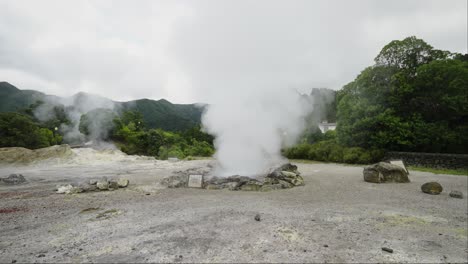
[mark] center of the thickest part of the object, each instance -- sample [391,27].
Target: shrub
[352,155]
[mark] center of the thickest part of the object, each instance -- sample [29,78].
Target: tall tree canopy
[415,98]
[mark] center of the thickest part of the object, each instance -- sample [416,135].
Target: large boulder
[385,172]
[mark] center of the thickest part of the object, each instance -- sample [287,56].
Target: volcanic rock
[113,185]
[103,184]
[251,186]
[456,194]
[64,189]
[13,179]
[385,172]
[175,181]
[257,217]
[86,187]
[122,182]
[432,188]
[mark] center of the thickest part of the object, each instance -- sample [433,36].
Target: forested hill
[156,114]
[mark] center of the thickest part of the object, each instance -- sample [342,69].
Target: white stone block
[195,181]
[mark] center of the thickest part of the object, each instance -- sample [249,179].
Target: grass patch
[439,171]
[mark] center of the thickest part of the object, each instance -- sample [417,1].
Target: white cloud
[188,51]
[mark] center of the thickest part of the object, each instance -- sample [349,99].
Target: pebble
[325,245]
[257,217]
[389,250]
[456,194]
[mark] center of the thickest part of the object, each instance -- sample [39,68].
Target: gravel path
[335,217]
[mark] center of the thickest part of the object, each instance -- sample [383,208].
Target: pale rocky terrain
[335,217]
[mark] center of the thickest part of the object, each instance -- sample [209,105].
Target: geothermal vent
[283,177]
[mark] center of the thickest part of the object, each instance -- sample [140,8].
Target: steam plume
[251,129]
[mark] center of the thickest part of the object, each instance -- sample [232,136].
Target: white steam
[250,129]
[74,107]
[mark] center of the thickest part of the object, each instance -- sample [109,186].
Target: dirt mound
[23,156]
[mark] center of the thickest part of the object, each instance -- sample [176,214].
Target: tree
[408,54]
[415,98]
[17,130]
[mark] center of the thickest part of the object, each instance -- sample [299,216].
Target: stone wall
[431,160]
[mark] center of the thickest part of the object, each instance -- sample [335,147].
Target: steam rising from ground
[251,129]
[73,108]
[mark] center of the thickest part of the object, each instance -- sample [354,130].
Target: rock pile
[283,177]
[385,172]
[94,185]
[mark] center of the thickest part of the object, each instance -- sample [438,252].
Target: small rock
[257,217]
[456,194]
[325,245]
[122,182]
[431,188]
[232,186]
[113,185]
[75,190]
[389,250]
[87,187]
[13,261]
[40,255]
[93,182]
[102,184]
[64,189]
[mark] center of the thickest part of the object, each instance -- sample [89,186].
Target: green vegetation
[165,115]
[414,98]
[18,130]
[156,114]
[328,150]
[439,171]
[132,136]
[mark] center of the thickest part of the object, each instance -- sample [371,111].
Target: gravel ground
[335,217]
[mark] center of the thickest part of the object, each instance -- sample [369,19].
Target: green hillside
[156,114]
[163,114]
[13,99]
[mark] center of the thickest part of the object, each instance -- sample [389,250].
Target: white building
[325,126]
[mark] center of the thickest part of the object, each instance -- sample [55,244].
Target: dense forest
[414,98]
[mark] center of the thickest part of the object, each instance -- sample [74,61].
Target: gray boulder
[431,188]
[385,172]
[13,179]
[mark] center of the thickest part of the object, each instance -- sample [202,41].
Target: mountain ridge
[156,113]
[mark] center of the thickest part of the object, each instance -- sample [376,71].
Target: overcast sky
[185,51]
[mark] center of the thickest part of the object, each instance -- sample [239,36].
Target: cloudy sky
[186,51]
